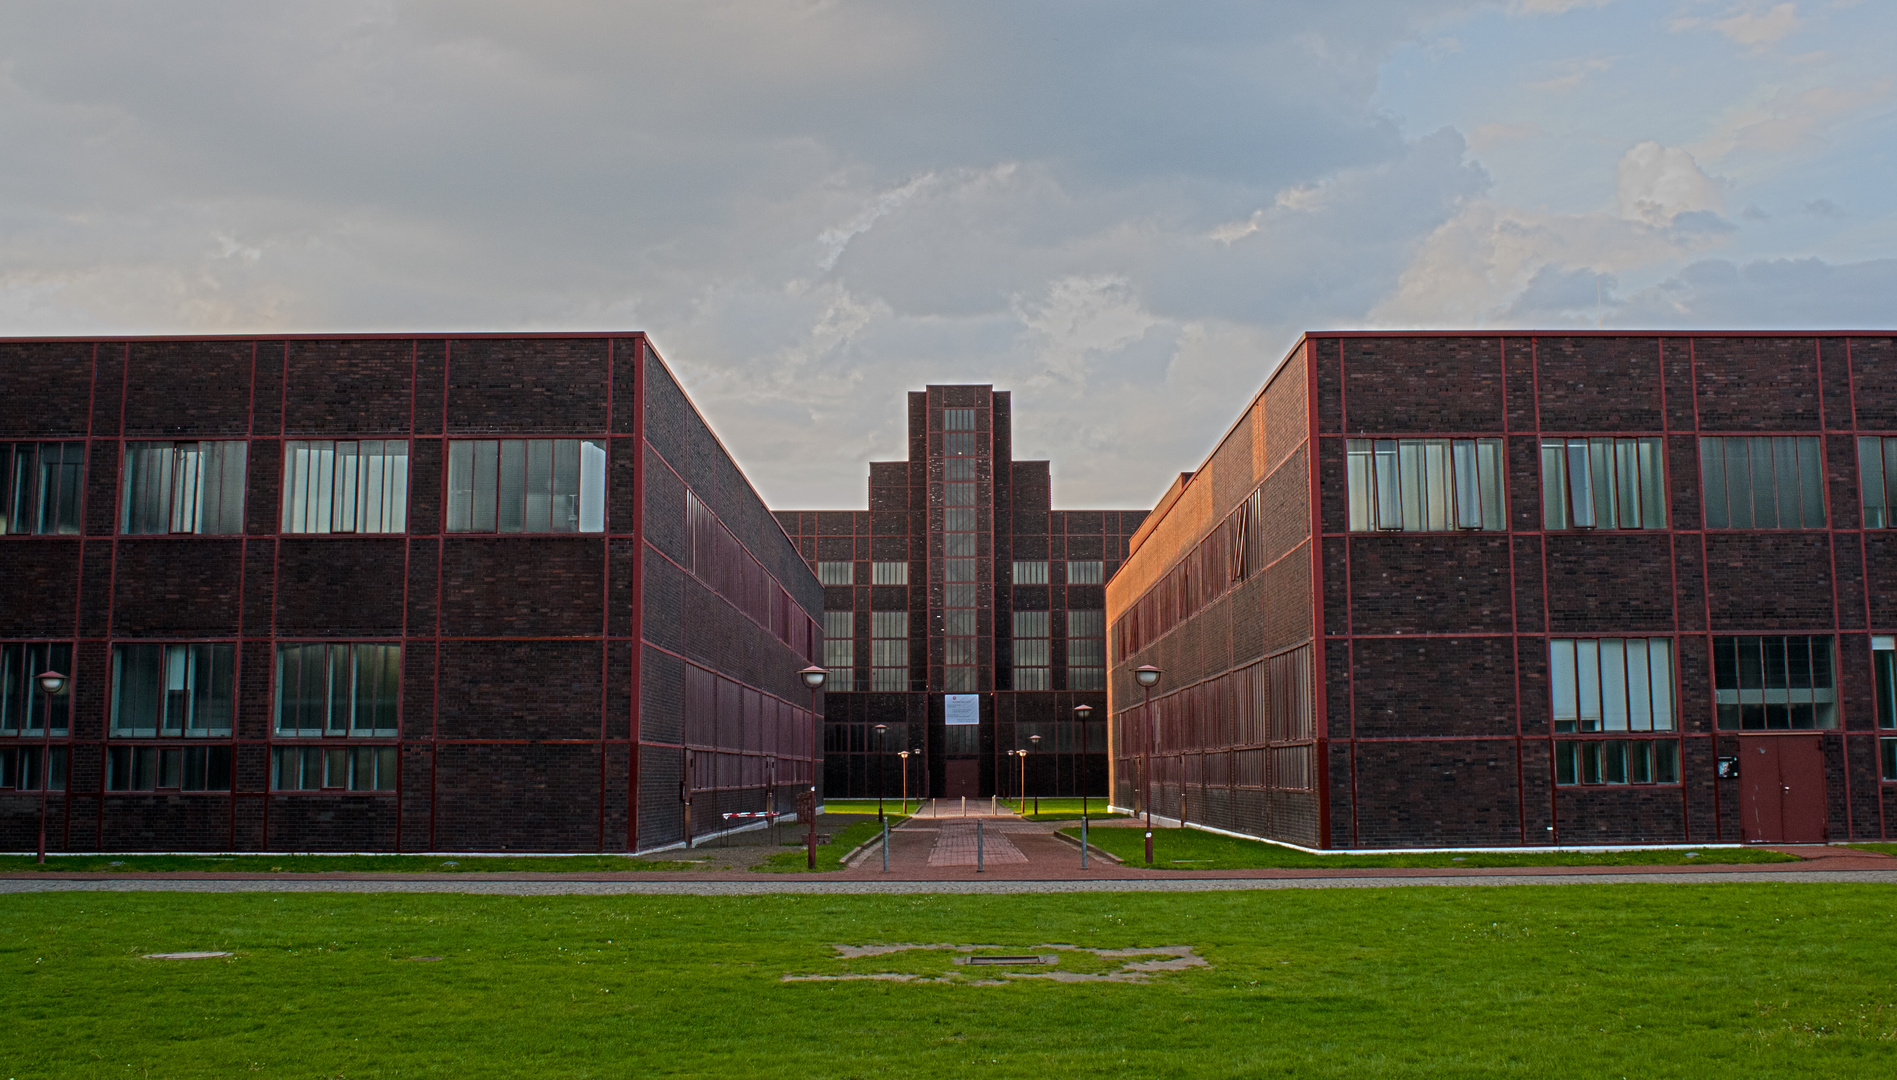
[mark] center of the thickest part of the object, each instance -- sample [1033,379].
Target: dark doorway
[961,778]
[1782,790]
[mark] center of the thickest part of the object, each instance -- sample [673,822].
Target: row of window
[204,768]
[1746,482]
[960,546]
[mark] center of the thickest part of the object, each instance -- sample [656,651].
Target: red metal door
[1801,777]
[1760,821]
[1782,789]
[962,778]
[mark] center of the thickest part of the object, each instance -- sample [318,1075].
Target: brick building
[963,614]
[385,593]
[1517,589]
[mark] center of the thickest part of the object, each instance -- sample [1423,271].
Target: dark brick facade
[1430,650]
[542,696]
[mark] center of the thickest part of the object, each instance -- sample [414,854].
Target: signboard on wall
[958,709]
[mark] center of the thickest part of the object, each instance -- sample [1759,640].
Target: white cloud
[1552,7]
[1574,73]
[1758,30]
[1783,120]
[1654,182]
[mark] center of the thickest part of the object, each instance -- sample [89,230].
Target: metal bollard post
[885,845]
[978,866]
[1083,843]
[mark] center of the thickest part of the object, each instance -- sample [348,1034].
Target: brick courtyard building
[1519,589]
[963,614]
[378,593]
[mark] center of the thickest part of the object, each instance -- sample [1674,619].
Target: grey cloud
[1773,293]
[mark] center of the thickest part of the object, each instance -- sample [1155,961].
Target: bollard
[1149,847]
[978,845]
[885,845]
[1083,843]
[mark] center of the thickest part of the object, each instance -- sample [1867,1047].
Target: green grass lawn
[355,864]
[892,806]
[1881,849]
[1692,979]
[1195,849]
[1058,809]
[830,853]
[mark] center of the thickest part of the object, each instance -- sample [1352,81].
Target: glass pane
[1600,461]
[1884,674]
[1409,469]
[1811,495]
[1590,762]
[1565,756]
[1389,513]
[1626,484]
[1357,480]
[1738,482]
[1890,471]
[563,510]
[1614,762]
[1554,486]
[1870,476]
[1587,656]
[1712,483]
[1438,512]
[1613,684]
[1488,457]
[1639,691]
[1652,485]
[460,487]
[178,673]
[347,489]
[1821,668]
[1640,762]
[1561,677]
[592,511]
[1660,676]
[1580,485]
[139,676]
[1785,482]
[1774,666]
[1766,511]
[341,693]
[1468,485]
[1666,762]
[526,478]
[144,500]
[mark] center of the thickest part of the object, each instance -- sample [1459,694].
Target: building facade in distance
[385,593]
[1449,589]
[963,615]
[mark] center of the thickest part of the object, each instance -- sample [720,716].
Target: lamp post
[1021,793]
[1082,712]
[53,684]
[879,729]
[1036,740]
[813,677]
[1148,677]
[904,756]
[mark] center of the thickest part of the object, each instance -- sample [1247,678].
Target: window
[345,487]
[1086,572]
[1884,675]
[526,485]
[336,688]
[1086,650]
[1877,480]
[839,648]
[158,768]
[836,573]
[1774,683]
[21,768]
[1611,684]
[1424,485]
[1760,482]
[336,768]
[22,702]
[958,419]
[40,484]
[889,573]
[1032,651]
[960,593]
[187,487]
[889,649]
[1617,761]
[1603,484]
[172,689]
[959,468]
[1030,573]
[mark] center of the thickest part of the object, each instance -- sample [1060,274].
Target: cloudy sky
[1123,212]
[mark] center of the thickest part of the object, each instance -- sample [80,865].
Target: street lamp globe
[1146,675]
[52,682]
[1085,711]
[814,676]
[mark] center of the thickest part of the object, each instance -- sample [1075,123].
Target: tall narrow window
[889,649]
[839,649]
[1877,480]
[526,485]
[345,487]
[1884,675]
[1424,485]
[1763,482]
[836,573]
[1033,653]
[1775,683]
[40,485]
[338,689]
[1085,572]
[193,487]
[1611,684]
[1086,650]
[23,705]
[1032,572]
[183,689]
[1603,484]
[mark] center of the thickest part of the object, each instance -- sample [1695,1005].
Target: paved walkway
[938,854]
